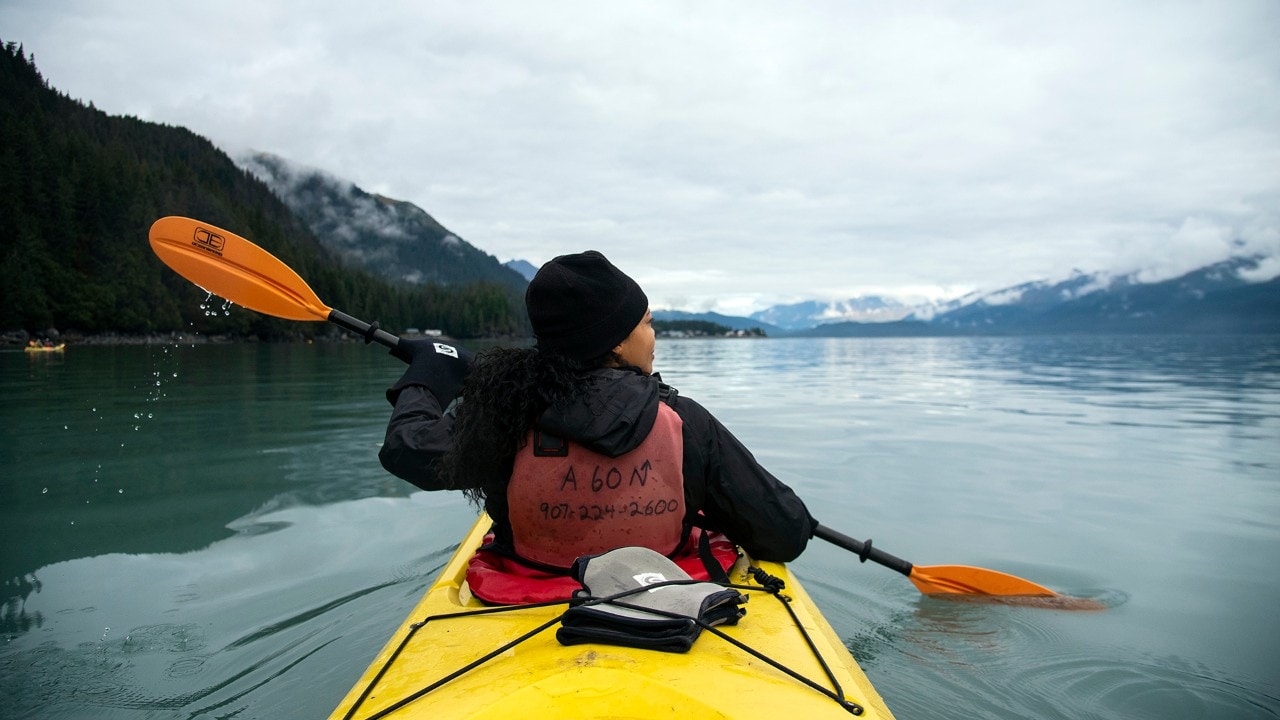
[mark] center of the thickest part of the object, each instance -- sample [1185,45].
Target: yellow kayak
[478,665]
[45,348]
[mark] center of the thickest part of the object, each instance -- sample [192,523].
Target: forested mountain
[714,318]
[79,190]
[390,238]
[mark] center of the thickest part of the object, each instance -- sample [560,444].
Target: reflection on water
[207,630]
[225,544]
[102,459]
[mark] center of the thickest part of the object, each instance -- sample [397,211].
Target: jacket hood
[613,416]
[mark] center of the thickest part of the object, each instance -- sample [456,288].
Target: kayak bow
[457,658]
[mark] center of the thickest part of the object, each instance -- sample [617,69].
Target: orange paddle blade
[966,580]
[233,268]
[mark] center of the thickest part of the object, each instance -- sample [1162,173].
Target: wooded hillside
[79,190]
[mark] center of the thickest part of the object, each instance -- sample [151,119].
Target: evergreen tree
[79,190]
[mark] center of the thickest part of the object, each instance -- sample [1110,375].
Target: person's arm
[741,498]
[417,435]
[420,429]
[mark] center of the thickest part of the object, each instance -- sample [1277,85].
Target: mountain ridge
[79,188]
[729,321]
[810,313]
[369,230]
[391,238]
[1217,298]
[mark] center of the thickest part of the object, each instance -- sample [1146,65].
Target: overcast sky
[735,155]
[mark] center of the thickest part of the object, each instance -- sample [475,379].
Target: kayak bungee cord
[413,630]
[775,586]
[767,583]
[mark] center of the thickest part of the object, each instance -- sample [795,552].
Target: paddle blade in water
[966,580]
[233,268]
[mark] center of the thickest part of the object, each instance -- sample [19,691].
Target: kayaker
[575,447]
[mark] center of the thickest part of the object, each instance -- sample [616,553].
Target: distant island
[701,329]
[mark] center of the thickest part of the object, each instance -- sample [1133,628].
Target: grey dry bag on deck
[632,573]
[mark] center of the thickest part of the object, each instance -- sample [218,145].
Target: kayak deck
[538,677]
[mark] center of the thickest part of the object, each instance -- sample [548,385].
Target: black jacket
[721,478]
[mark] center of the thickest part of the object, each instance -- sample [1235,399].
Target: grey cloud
[734,155]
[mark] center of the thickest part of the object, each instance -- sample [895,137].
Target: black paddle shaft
[863,550]
[370,333]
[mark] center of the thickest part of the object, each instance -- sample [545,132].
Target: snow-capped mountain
[811,313]
[1240,295]
[1231,296]
[1222,297]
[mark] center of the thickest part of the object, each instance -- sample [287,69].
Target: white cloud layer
[733,155]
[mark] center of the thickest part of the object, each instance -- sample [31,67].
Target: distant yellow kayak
[477,666]
[45,348]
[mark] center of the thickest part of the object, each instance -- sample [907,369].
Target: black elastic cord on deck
[768,583]
[464,669]
[774,586]
[413,630]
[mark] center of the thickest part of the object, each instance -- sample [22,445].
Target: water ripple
[1158,688]
[1019,663]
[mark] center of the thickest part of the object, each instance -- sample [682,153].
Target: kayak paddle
[938,579]
[960,581]
[233,268]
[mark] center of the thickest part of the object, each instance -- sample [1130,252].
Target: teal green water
[204,531]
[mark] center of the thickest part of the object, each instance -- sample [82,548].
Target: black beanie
[581,306]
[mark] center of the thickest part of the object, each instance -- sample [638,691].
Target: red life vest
[500,580]
[566,501]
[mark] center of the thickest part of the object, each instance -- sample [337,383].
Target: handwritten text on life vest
[607,480]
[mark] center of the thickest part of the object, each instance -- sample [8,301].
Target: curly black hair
[504,395]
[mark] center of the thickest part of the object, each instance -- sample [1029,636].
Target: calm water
[206,532]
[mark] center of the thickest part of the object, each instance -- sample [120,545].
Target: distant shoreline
[18,340]
[14,341]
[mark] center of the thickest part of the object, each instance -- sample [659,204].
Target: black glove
[438,366]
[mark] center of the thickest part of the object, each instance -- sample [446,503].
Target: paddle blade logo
[209,241]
